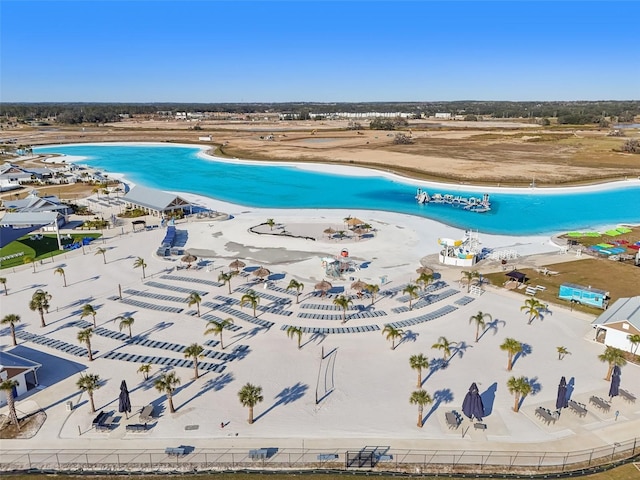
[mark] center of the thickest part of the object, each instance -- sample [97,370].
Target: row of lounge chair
[151,306]
[350,316]
[277,308]
[52,343]
[464,300]
[336,330]
[243,316]
[103,332]
[275,288]
[175,288]
[428,290]
[266,296]
[426,300]
[167,361]
[424,318]
[203,281]
[156,296]
[327,306]
[232,327]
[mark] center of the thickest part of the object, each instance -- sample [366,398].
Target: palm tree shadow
[286,396]
[459,350]
[241,336]
[215,384]
[494,326]
[536,386]
[408,336]
[434,365]
[488,398]
[90,279]
[439,396]
[240,352]
[526,350]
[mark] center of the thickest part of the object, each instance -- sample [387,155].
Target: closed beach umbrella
[237,265]
[561,400]
[261,272]
[472,404]
[358,285]
[614,389]
[124,402]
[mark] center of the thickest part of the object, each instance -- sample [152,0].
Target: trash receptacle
[69,406]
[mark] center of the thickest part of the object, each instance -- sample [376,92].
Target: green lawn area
[46,247]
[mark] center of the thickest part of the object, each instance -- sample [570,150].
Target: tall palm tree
[511,346]
[84,336]
[344,303]
[469,276]
[419,362]
[194,351]
[635,342]
[40,302]
[144,369]
[226,278]
[614,357]
[3,281]
[7,387]
[532,308]
[102,251]
[392,333]
[252,298]
[194,299]
[478,319]
[29,259]
[125,322]
[293,331]
[424,279]
[562,352]
[167,383]
[420,398]
[60,271]
[444,345]
[11,320]
[271,222]
[250,395]
[412,291]
[89,383]
[217,327]
[520,388]
[140,263]
[87,310]
[297,286]
[373,289]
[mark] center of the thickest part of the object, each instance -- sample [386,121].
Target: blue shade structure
[614,388]
[124,402]
[472,404]
[561,400]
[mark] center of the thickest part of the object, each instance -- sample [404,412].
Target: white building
[443,116]
[618,322]
[13,367]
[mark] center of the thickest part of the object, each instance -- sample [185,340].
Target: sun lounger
[453,420]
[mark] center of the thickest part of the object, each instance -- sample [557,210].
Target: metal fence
[384,459]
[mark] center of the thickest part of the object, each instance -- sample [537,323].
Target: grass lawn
[46,247]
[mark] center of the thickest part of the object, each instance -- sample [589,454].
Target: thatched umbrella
[359,232]
[427,270]
[188,258]
[358,285]
[354,221]
[237,265]
[261,272]
[329,231]
[323,286]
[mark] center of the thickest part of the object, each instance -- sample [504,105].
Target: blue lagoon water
[531,211]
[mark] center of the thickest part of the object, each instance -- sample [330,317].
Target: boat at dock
[473,204]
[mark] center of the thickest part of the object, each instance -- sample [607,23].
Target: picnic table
[146,413]
[628,396]
[600,403]
[546,415]
[579,408]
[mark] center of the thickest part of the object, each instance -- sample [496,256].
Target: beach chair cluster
[434,287]
[175,288]
[350,316]
[427,317]
[336,330]
[266,296]
[275,288]
[326,306]
[103,332]
[202,281]
[151,306]
[166,361]
[464,300]
[278,307]
[610,248]
[156,296]
[244,316]
[232,327]
[426,300]
[52,343]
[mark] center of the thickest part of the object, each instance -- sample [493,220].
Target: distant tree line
[565,112]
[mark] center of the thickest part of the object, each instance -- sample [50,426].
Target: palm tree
[84,336]
[89,310]
[373,289]
[520,388]
[252,298]
[424,279]
[140,263]
[40,302]
[392,333]
[11,320]
[293,331]
[125,322]
[271,222]
[144,369]
[420,398]
[102,251]
[511,346]
[89,383]
[250,395]
[60,271]
[614,357]
[479,321]
[444,345]
[194,351]
[412,291]
[167,383]
[562,352]
[635,341]
[469,276]
[226,278]
[419,362]
[3,281]
[29,259]
[344,303]
[532,308]
[217,327]
[7,387]
[194,299]
[297,286]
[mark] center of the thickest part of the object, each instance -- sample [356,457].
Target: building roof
[623,309]
[155,199]
[9,360]
[35,203]
[22,219]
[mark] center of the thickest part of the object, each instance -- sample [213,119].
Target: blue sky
[265,51]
